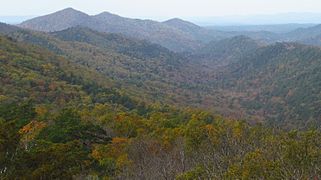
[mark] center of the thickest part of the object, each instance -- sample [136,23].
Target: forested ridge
[108,97]
[68,126]
[237,77]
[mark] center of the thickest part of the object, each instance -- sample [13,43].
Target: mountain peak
[58,21]
[175,20]
[179,21]
[181,24]
[106,13]
[69,11]
[107,16]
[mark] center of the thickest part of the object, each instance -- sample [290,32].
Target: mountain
[197,32]
[274,28]
[6,28]
[153,31]
[182,25]
[57,21]
[310,35]
[260,19]
[219,77]
[61,120]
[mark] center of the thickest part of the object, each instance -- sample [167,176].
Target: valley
[104,96]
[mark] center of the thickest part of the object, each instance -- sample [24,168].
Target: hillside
[205,79]
[119,43]
[151,75]
[70,123]
[280,82]
[228,50]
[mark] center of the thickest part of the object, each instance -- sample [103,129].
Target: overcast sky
[160,8]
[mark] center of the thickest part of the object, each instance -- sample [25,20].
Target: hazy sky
[161,8]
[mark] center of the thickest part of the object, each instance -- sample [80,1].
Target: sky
[161,9]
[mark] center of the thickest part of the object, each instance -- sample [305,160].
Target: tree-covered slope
[149,71]
[228,50]
[280,82]
[208,79]
[117,42]
[59,120]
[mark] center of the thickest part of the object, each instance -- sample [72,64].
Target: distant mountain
[6,28]
[255,19]
[58,21]
[156,32]
[310,35]
[275,28]
[183,25]
[197,32]
[153,31]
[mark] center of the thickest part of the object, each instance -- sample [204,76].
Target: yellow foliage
[237,130]
[99,152]
[41,110]
[48,67]
[122,161]
[119,140]
[3,97]
[31,130]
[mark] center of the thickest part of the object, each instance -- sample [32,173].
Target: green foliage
[51,161]
[197,173]
[60,120]
[20,112]
[68,127]
[9,143]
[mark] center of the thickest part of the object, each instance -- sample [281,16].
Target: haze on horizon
[233,11]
